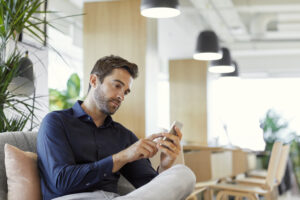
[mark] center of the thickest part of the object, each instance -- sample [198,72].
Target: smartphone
[178,124]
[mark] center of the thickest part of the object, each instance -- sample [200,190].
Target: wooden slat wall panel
[117,28]
[188,98]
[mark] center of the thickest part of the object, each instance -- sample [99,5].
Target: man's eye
[118,86]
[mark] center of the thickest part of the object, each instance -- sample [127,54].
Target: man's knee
[186,175]
[183,170]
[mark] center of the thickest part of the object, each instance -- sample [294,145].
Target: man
[82,151]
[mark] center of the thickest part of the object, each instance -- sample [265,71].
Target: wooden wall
[188,98]
[117,28]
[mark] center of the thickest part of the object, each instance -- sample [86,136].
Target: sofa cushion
[22,174]
[25,141]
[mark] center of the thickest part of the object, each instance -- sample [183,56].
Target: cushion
[23,140]
[22,174]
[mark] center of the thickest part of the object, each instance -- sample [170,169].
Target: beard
[106,105]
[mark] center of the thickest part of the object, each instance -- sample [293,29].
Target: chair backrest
[25,141]
[273,165]
[282,163]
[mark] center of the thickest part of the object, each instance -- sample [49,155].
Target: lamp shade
[223,65]
[159,8]
[235,73]
[207,46]
[23,83]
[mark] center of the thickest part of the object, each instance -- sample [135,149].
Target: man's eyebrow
[117,80]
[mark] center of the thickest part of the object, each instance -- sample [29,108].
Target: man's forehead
[120,71]
[121,75]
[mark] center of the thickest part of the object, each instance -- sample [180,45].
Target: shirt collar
[79,112]
[77,109]
[108,121]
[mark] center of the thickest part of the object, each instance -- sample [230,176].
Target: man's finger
[174,138]
[169,145]
[144,152]
[178,131]
[154,136]
[168,151]
[150,142]
[149,148]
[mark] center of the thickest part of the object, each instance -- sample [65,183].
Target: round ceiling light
[235,73]
[223,65]
[207,46]
[160,8]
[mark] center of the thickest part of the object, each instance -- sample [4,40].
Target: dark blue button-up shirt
[74,155]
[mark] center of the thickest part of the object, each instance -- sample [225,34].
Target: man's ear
[93,80]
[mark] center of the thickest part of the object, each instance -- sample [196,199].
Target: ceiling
[263,35]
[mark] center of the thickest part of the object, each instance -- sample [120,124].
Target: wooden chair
[261,173]
[279,172]
[258,173]
[252,192]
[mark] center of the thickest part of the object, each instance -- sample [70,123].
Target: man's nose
[121,96]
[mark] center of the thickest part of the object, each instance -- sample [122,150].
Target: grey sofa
[26,141]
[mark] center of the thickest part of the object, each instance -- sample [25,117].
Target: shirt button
[87,184]
[104,174]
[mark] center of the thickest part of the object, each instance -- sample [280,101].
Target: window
[240,104]
[65,58]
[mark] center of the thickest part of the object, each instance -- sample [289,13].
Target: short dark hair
[104,66]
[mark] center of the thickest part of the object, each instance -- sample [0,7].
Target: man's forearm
[143,148]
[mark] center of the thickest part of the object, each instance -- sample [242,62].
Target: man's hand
[143,148]
[170,149]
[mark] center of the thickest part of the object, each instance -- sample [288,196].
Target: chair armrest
[194,194]
[200,185]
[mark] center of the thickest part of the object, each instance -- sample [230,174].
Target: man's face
[109,95]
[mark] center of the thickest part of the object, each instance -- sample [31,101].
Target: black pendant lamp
[207,46]
[223,65]
[23,83]
[235,73]
[159,8]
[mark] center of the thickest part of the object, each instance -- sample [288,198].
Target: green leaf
[13,124]
[73,86]
[65,99]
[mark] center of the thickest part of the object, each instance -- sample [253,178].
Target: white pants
[175,183]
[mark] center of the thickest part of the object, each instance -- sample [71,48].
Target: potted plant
[274,128]
[17,17]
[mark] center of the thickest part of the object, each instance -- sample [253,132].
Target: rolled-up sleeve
[57,163]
